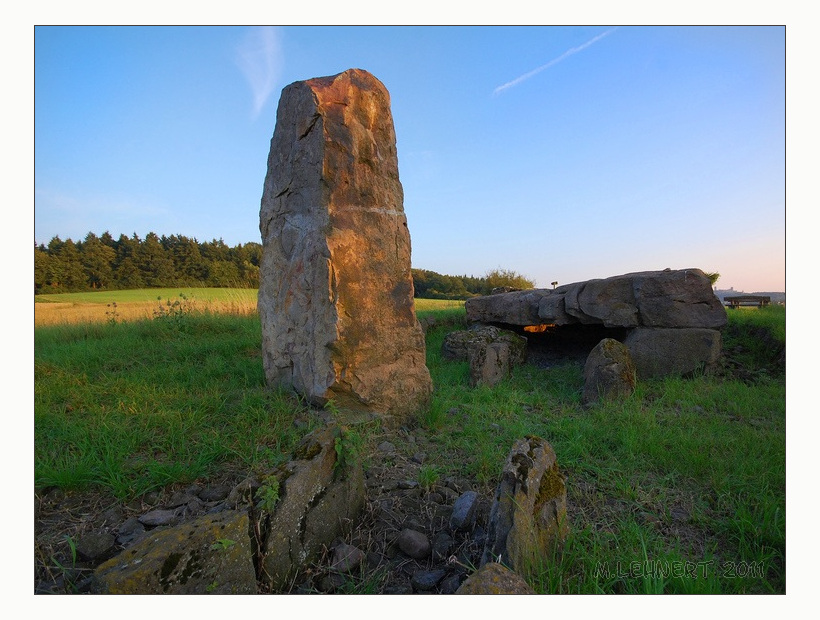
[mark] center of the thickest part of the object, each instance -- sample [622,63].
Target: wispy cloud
[260,58]
[553,62]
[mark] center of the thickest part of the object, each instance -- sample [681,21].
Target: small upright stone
[608,373]
[528,518]
[336,292]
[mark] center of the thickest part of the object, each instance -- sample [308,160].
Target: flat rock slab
[336,291]
[670,298]
[211,554]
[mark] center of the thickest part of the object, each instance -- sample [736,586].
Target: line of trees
[432,285]
[104,263]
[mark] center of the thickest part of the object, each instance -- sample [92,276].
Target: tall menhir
[336,292]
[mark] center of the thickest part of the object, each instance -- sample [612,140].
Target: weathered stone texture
[609,372]
[318,501]
[493,578]
[457,345]
[211,554]
[669,298]
[672,318]
[528,518]
[336,292]
[659,352]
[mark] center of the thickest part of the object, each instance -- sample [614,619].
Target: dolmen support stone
[336,291]
[671,318]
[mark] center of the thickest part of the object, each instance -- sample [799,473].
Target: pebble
[426,580]
[442,546]
[130,531]
[346,558]
[414,544]
[95,545]
[158,517]
[386,446]
[451,584]
[215,493]
[464,511]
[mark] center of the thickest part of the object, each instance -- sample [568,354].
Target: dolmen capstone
[336,292]
[671,318]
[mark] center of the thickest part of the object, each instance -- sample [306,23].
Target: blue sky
[563,153]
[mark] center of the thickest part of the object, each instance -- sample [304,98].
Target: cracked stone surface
[336,291]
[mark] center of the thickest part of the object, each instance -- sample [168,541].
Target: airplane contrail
[260,59]
[553,62]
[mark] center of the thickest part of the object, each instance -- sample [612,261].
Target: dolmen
[669,320]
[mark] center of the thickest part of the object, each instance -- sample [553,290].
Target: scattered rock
[95,545]
[158,517]
[214,493]
[451,583]
[414,544]
[442,546]
[493,578]
[243,493]
[426,580]
[464,510]
[346,558]
[129,532]
[387,447]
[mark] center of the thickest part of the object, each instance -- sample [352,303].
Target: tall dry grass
[68,313]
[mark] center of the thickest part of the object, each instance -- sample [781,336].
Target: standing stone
[336,292]
[528,519]
[609,372]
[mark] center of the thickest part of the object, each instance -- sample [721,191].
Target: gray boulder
[609,372]
[661,352]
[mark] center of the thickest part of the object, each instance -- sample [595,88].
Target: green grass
[132,407]
[678,489]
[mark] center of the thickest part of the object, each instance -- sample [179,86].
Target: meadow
[677,489]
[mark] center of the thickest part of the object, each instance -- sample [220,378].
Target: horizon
[561,153]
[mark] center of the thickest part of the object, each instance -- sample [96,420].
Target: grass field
[121,306]
[678,489]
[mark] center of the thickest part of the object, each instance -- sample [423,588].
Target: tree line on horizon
[105,263]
